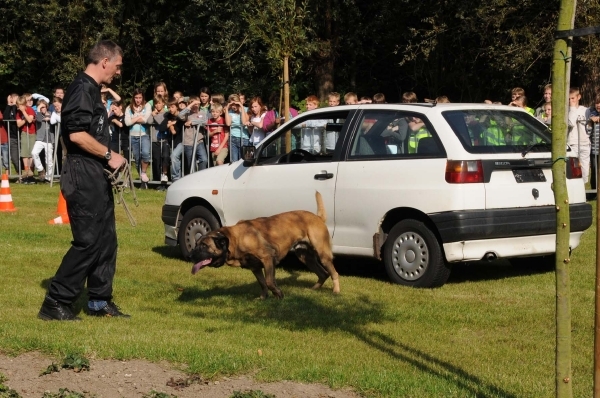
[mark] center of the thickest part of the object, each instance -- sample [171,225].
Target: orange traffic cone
[6,203]
[61,210]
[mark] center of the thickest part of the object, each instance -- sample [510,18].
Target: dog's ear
[222,242]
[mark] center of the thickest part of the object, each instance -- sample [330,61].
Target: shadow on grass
[171,252]
[496,270]
[332,313]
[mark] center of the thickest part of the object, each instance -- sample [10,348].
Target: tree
[561,72]
[280,26]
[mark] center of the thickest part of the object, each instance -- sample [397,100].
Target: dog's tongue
[198,266]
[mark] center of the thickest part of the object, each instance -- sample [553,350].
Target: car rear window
[498,131]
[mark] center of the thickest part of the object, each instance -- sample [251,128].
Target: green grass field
[489,332]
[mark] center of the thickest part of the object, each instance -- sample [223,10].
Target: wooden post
[561,71]
[286,103]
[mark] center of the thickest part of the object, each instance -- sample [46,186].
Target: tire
[413,256]
[196,222]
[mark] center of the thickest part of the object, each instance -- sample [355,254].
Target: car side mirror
[248,152]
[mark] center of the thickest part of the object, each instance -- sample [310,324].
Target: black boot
[53,310]
[111,310]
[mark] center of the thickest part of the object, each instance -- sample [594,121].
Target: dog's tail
[320,207]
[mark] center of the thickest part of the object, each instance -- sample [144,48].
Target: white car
[419,186]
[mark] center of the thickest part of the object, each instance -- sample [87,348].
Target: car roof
[420,107]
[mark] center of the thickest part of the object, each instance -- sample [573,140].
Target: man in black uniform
[88,193]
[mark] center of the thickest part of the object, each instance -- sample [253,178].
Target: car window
[311,139]
[394,134]
[498,131]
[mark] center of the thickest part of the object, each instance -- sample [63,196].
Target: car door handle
[323,176]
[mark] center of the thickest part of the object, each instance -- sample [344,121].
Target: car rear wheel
[196,222]
[413,256]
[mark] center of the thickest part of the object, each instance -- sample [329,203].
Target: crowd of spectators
[176,134]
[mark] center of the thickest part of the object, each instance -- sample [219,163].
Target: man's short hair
[103,49]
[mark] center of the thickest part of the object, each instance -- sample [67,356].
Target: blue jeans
[176,162]
[4,150]
[236,148]
[140,144]
[201,156]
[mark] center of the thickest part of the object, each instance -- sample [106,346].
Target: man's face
[574,99]
[333,101]
[548,95]
[112,68]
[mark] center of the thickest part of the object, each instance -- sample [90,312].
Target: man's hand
[116,161]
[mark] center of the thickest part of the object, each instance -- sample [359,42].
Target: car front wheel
[196,222]
[413,256]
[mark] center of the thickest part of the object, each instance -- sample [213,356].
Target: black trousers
[93,251]
[161,155]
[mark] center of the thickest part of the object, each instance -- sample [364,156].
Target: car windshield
[498,131]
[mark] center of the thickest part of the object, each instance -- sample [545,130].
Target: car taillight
[464,171]
[573,168]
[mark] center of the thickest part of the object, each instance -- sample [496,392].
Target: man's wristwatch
[107,155]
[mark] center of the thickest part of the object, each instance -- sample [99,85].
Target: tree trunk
[286,102]
[561,70]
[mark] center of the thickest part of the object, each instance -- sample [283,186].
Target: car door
[285,176]
[394,160]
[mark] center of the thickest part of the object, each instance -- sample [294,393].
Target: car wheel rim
[410,256]
[195,229]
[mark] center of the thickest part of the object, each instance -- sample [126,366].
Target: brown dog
[263,242]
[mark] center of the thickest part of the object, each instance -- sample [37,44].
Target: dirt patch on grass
[137,378]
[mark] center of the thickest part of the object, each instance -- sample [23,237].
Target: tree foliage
[468,50]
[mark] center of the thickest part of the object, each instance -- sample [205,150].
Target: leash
[122,182]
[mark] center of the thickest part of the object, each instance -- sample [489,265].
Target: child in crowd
[108,95]
[379,98]
[44,142]
[546,115]
[350,98]
[205,100]
[217,99]
[516,92]
[577,137]
[26,124]
[119,139]
[310,136]
[257,115]
[237,120]
[365,100]
[137,116]
[174,126]
[442,99]
[547,99]
[161,150]
[218,134]
[193,122]
[55,123]
[521,102]
[160,90]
